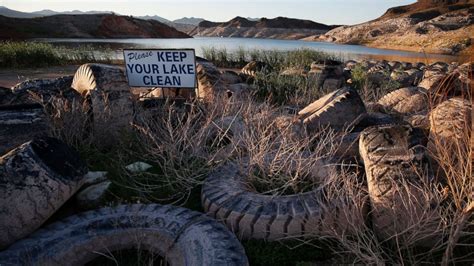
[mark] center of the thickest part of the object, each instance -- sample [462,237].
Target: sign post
[165,68]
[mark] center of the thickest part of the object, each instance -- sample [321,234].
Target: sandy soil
[11,77]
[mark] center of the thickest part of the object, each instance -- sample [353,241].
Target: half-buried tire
[338,110]
[106,94]
[36,179]
[408,100]
[397,173]
[250,215]
[180,236]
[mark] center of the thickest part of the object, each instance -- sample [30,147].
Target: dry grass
[440,214]
[184,143]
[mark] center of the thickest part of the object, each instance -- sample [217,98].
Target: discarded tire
[19,124]
[180,236]
[252,68]
[401,101]
[35,180]
[418,121]
[395,166]
[42,90]
[451,121]
[450,132]
[105,89]
[224,136]
[226,196]
[347,146]
[336,110]
[416,104]
[209,82]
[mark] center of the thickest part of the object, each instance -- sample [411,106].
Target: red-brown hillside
[85,26]
[427,9]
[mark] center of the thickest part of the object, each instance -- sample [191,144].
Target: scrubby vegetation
[301,58]
[40,54]
[184,143]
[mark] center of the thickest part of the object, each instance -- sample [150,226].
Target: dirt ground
[11,77]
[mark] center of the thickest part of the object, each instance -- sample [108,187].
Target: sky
[324,11]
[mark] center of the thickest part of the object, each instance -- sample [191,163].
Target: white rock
[94,177]
[138,167]
[92,196]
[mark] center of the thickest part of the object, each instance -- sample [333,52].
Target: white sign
[161,68]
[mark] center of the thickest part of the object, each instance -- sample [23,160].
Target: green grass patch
[288,89]
[301,58]
[38,54]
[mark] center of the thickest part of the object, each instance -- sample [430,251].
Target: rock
[138,167]
[21,123]
[36,179]
[92,178]
[413,28]
[337,110]
[92,197]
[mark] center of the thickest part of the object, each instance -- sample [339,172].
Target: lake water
[232,44]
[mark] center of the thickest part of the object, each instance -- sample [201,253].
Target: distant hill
[4,11]
[189,21]
[277,28]
[427,8]
[184,24]
[85,26]
[157,18]
[433,26]
[15,14]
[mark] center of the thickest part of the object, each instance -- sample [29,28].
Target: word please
[162,56]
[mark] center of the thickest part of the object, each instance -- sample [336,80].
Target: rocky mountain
[85,26]
[15,14]
[433,26]
[4,11]
[184,24]
[189,21]
[277,28]
[157,18]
